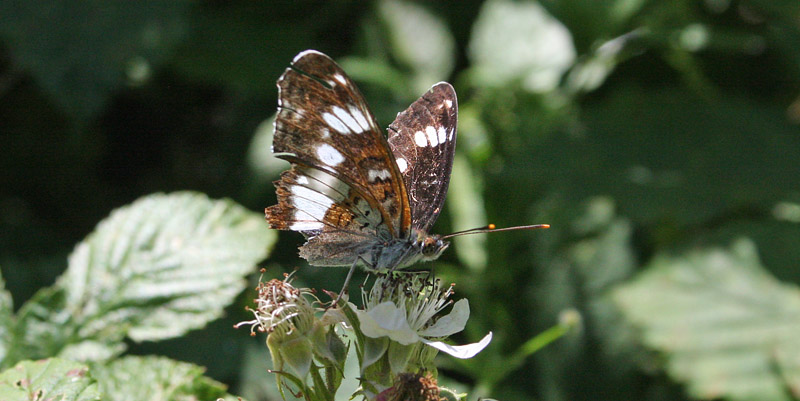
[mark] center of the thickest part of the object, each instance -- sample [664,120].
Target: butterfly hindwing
[313,201]
[344,177]
[423,141]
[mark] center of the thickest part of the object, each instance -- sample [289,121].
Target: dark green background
[679,145]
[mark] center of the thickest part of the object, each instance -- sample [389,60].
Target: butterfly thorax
[399,253]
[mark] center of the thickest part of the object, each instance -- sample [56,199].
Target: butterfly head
[431,246]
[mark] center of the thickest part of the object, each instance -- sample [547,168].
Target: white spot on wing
[374,175]
[360,118]
[420,140]
[310,208]
[442,134]
[347,118]
[325,133]
[340,78]
[306,225]
[301,179]
[329,155]
[324,182]
[449,103]
[432,135]
[335,123]
[452,133]
[402,164]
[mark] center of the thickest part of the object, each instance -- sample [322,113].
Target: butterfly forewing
[423,141]
[344,179]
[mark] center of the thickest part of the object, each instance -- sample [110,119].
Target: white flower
[405,310]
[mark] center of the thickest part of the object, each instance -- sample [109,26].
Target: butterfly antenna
[492,228]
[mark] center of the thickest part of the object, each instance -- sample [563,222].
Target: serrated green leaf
[536,48]
[155,379]
[727,328]
[49,379]
[153,270]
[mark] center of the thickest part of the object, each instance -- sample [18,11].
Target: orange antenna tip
[492,228]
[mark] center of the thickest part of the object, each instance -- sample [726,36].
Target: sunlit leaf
[726,327]
[465,204]
[153,270]
[136,378]
[519,41]
[591,71]
[6,319]
[49,379]
[420,41]
[264,165]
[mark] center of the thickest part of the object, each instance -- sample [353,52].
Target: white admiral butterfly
[354,193]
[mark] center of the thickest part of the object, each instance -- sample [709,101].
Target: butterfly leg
[349,276]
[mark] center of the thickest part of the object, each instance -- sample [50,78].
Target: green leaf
[519,41]
[156,378]
[420,41]
[153,270]
[50,379]
[254,383]
[79,52]
[727,328]
[6,319]
[466,208]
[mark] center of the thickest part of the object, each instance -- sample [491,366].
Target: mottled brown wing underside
[423,140]
[343,178]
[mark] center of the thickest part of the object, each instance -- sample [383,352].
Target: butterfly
[358,196]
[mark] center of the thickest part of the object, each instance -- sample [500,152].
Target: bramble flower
[406,307]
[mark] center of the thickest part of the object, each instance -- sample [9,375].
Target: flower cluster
[402,324]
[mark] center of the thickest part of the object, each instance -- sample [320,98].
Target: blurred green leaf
[6,319]
[591,71]
[247,45]
[668,158]
[726,327]
[592,21]
[153,270]
[420,41]
[264,165]
[536,48]
[587,252]
[466,210]
[49,379]
[136,378]
[80,52]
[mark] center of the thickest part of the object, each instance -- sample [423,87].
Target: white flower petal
[461,351]
[386,319]
[453,322]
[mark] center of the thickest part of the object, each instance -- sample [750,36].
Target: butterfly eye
[432,247]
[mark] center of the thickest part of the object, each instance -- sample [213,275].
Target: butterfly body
[376,255]
[358,196]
